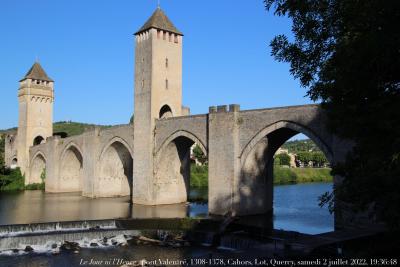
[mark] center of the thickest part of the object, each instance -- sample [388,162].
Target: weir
[41,228]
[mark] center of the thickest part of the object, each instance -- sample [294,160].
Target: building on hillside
[291,155]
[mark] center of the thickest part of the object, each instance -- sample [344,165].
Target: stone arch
[38,140]
[14,162]
[165,112]
[296,128]
[186,134]
[71,168]
[256,176]
[37,168]
[116,169]
[172,168]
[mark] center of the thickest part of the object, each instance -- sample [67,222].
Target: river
[295,208]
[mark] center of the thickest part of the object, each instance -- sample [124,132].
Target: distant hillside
[300,145]
[65,128]
[74,128]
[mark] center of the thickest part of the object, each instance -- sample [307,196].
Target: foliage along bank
[13,180]
[282,175]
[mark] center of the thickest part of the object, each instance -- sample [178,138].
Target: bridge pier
[223,157]
[52,183]
[90,166]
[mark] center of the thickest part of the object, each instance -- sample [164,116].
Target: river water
[295,208]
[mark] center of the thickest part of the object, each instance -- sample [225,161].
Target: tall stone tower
[35,97]
[158,94]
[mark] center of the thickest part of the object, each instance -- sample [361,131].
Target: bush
[35,186]
[282,159]
[12,180]
[199,155]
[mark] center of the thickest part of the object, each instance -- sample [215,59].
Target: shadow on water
[295,208]
[33,206]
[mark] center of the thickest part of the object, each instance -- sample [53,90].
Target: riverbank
[13,180]
[282,175]
[285,175]
[198,176]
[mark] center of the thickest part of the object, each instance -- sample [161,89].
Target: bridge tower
[35,124]
[158,94]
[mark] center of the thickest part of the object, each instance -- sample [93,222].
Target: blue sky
[87,48]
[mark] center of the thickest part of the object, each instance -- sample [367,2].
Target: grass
[198,176]
[282,175]
[301,175]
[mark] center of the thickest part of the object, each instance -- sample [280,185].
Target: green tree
[347,53]
[304,156]
[131,119]
[284,159]
[319,159]
[199,155]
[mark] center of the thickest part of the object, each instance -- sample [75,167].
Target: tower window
[166,83]
[164,35]
[158,34]
[166,62]
[175,38]
[142,84]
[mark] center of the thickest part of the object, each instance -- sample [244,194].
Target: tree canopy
[347,54]
[282,159]
[199,155]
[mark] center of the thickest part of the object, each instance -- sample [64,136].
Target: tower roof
[37,72]
[159,21]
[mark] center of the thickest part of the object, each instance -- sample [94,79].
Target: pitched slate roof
[159,21]
[37,72]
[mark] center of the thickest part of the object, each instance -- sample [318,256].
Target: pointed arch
[39,139]
[256,175]
[172,168]
[165,112]
[71,168]
[295,127]
[37,168]
[14,162]
[116,169]
[186,134]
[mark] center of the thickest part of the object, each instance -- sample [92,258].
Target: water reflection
[37,206]
[295,208]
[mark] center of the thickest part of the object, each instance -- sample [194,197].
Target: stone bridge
[150,160]
[239,144]
[97,163]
